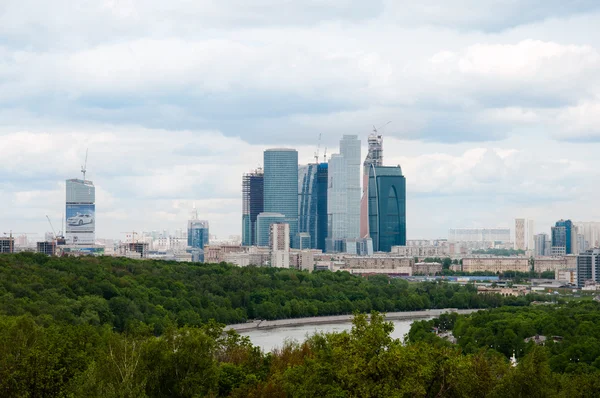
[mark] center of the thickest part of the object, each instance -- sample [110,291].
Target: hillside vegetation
[122,292]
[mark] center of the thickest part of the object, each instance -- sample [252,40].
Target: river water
[268,339]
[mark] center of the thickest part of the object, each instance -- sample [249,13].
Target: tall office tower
[350,150]
[263,226]
[588,267]
[540,245]
[530,234]
[252,204]
[80,212]
[198,236]
[374,158]
[280,245]
[281,186]
[343,195]
[520,234]
[312,205]
[387,207]
[562,237]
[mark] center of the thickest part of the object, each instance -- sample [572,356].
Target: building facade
[487,235]
[374,158]
[7,244]
[312,204]
[281,186]
[564,235]
[540,248]
[495,264]
[263,227]
[80,212]
[520,234]
[252,204]
[279,243]
[588,267]
[387,207]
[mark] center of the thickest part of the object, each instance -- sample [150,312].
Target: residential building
[281,186]
[543,264]
[568,275]
[80,212]
[390,265]
[520,234]
[279,243]
[588,267]
[530,235]
[488,236]
[387,207]
[427,268]
[496,264]
[252,204]
[312,204]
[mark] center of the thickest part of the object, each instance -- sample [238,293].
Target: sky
[494,105]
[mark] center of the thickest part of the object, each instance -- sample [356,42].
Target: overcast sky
[495,105]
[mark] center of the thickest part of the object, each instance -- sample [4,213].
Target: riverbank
[390,316]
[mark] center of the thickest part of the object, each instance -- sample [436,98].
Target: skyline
[497,108]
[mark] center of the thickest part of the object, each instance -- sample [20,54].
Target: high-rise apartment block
[281,186]
[540,248]
[520,234]
[530,234]
[252,205]
[263,226]
[80,212]
[387,207]
[480,235]
[279,242]
[312,205]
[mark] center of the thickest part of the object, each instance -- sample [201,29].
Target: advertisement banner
[81,218]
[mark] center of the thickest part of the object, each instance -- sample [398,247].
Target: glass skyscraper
[252,205]
[387,207]
[562,236]
[281,186]
[312,204]
[343,195]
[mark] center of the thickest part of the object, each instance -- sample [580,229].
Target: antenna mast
[83,168]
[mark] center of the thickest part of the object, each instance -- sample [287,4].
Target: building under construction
[134,249]
[7,244]
[252,204]
[47,248]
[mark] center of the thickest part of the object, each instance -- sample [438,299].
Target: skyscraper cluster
[321,202]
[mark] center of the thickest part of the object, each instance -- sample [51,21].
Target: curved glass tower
[281,186]
[387,207]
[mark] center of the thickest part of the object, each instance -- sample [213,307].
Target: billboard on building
[81,218]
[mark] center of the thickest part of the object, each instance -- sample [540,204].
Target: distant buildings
[198,236]
[387,207]
[480,238]
[496,264]
[80,212]
[281,186]
[7,244]
[279,243]
[252,204]
[374,159]
[541,245]
[263,226]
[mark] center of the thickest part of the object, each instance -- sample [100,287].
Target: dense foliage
[572,333]
[121,292]
[88,361]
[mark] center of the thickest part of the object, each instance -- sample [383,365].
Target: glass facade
[350,150]
[562,235]
[387,208]
[252,205]
[312,204]
[263,226]
[281,186]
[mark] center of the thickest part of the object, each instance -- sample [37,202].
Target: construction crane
[318,148]
[325,156]
[376,130]
[51,226]
[11,238]
[83,168]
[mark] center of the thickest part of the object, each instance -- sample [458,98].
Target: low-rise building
[495,264]
[427,268]
[567,275]
[214,254]
[503,291]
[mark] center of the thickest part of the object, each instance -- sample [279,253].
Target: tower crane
[376,130]
[83,168]
[318,148]
[52,227]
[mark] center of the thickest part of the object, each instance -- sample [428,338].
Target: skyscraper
[374,158]
[520,234]
[343,195]
[252,205]
[387,207]
[80,212]
[564,235]
[198,236]
[540,245]
[530,234]
[312,203]
[263,226]
[281,186]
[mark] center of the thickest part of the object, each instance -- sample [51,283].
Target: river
[268,339]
